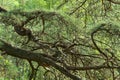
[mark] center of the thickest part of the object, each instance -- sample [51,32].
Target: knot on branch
[24,32]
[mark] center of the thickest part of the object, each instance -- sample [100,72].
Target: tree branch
[37,57]
[92,67]
[92,38]
[77,7]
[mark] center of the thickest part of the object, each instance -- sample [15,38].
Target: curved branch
[37,57]
[92,38]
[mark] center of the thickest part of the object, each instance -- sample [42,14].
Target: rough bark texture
[37,57]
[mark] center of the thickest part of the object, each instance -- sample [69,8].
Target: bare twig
[92,37]
[77,7]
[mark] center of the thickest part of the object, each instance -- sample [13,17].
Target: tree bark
[37,57]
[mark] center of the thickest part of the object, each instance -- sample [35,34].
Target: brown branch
[78,7]
[92,37]
[37,57]
[92,67]
[2,9]
[34,71]
[19,26]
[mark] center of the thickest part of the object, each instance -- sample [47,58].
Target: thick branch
[37,57]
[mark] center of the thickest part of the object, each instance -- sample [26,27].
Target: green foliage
[70,28]
[10,4]
[35,4]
